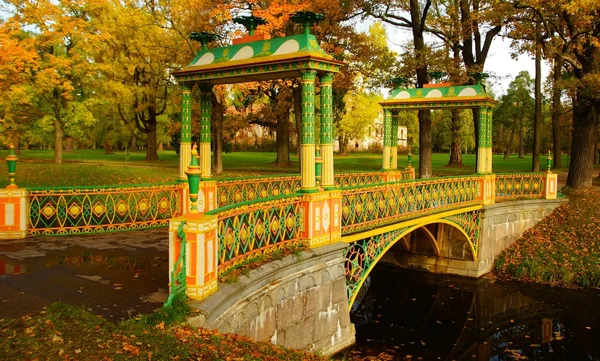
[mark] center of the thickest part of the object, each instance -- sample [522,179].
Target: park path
[116,275]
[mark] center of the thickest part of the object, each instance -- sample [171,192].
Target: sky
[499,60]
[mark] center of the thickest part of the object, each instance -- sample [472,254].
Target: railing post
[551,184]
[488,189]
[321,213]
[13,204]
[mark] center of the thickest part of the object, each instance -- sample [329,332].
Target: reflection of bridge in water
[403,313]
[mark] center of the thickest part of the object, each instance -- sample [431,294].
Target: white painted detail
[200,259]
[467,92]
[336,216]
[290,46]
[9,214]
[326,217]
[207,58]
[402,95]
[434,93]
[318,219]
[211,257]
[201,203]
[244,53]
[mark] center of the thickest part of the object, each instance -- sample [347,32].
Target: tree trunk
[455,155]
[509,144]
[521,140]
[283,140]
[425,144]
[297,94]
[151,150]
[69,144]
[132,143]
[343,145]
[585,126]
[17,144]
[217,120]
[108,149]
[556,112]
[58,140]
[537,120]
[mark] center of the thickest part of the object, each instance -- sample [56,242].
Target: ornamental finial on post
[250,22]
[409,155]
[204,38]
[307,19]
[549,162]
[11,161]
[193,173]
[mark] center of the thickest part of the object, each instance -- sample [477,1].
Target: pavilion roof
[436,96]
[269,59]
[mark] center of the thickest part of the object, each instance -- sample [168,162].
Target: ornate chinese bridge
[348,222]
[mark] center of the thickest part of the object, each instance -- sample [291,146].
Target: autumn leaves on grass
[563,249]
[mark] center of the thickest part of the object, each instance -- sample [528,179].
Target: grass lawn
[563,249]
[63,332]
[92,167]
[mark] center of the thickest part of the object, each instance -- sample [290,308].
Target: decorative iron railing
[66,210]
[520,185]
[250,229]
[369,207]
[178,275]
[238,190]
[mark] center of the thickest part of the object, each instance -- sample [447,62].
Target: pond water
[404,315]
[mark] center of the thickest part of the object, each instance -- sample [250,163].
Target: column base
[322,218]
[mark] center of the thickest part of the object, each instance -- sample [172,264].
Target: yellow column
[387,130]
[185,144]
[205,138]
[307,138]
[327,175]
[394,139]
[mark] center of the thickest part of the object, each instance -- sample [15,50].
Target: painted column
[490,112]
[327,176]
[205,114]
[307,138]
[394,139]
[482,141]
[185,141]
[387,130]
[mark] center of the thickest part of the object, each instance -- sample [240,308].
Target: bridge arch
[362,255]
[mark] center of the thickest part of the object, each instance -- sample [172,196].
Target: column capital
[326,78]
[206,88]
[308,75]
[186,86]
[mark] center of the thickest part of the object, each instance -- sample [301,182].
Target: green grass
[562,249]
[64,332]
[92,167]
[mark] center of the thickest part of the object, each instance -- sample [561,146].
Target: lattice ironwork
[255,228]
[358,179]
[520,186]
[373,206]
[178,275]
[362,256]
[232,191]
[470,222]
[63,210]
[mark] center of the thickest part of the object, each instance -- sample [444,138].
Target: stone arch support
[298,302]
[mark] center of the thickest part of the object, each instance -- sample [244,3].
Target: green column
[327,172]
[387,138]
[205,115]
[394,139]
[307,138]
[482,141]
[185,141]
[490,112]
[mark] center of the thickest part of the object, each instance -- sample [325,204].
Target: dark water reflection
[406,315]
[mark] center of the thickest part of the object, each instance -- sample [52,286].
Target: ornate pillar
[490,112]
[205,115]
[185,140]
[327,177]
[394,139]
[482,153]
[387,139]
[307,138]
